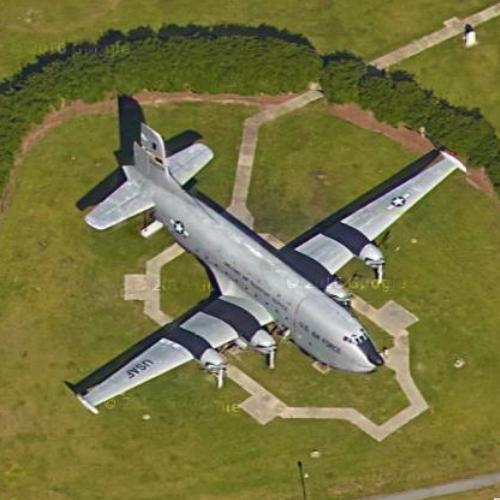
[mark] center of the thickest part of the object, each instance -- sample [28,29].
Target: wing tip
[95,223]
[209,151]
[451,157]
[85,402]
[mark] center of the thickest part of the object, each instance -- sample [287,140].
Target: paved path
[444,489]
[264,406]
[146,287]
[452,28]
[395,320]
[392,318]
[238,206]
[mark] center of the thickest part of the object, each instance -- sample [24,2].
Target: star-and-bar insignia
[179,228]
[398,201]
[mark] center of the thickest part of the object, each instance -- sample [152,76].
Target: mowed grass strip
[184,283]
[368,28]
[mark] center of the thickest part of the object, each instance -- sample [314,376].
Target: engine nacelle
[264,343]
[373,257]
[215,364]
[338,292]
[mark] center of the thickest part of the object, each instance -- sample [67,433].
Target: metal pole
[302,480]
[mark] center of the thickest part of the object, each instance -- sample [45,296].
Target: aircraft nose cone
[376,358]
[371,353]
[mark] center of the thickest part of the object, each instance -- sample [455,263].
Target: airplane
[255,284]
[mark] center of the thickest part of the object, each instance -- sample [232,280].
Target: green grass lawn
[467,77]
[61,315]
[369,28]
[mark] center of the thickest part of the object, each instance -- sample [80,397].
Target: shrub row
[230,59]
[223,59]
[395,97]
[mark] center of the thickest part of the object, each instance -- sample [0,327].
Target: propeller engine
[373,257]
[338,292]
[214,363]
[264,343]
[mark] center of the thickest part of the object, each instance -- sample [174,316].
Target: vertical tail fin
[152,143]
[183,165]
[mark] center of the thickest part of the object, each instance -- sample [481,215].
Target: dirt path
[57,117]
[409,139]
[363,118]
[352,113]
[478,178]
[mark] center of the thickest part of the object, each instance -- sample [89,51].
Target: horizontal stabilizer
[185,164]
[128,200]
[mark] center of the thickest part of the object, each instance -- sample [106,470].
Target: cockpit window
[356,338]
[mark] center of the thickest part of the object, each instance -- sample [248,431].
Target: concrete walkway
[146,287]
[460,486]
[248,147]
[395,320]
[264,406]
[452,28]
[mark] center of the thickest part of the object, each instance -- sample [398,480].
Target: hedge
[230,59]
[395,97]
[221,59]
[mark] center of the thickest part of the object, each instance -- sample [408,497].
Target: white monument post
[469,36]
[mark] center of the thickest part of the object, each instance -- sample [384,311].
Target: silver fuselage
[317,323]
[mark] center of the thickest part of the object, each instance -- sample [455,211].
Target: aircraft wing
[217,323]
[185,164]
[327,247]
[373,219]
[134,367]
